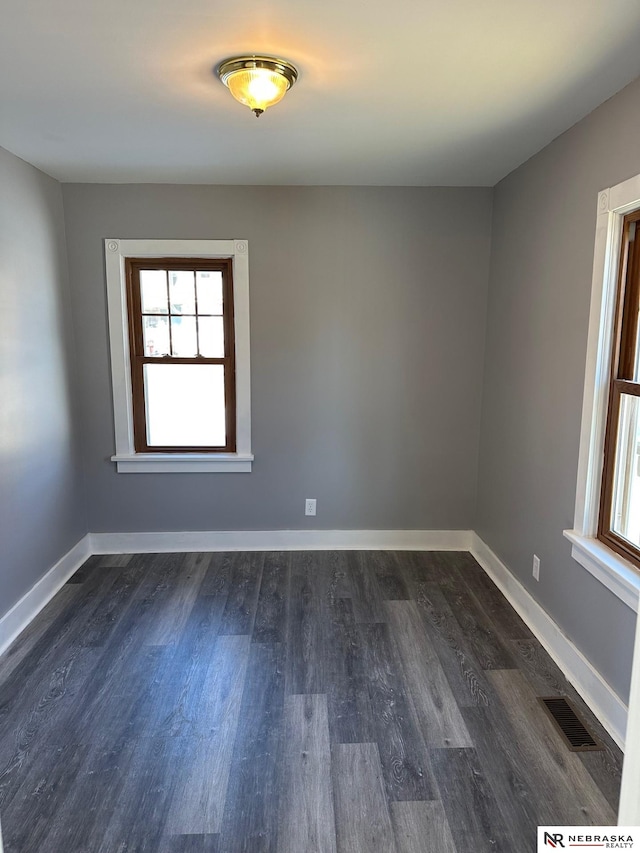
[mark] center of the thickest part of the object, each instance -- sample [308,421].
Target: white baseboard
[281,540]
[27,608]
[599,696]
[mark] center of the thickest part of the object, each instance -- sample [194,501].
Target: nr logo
[554,840]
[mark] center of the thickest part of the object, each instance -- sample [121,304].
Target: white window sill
[617,574]
[183,463]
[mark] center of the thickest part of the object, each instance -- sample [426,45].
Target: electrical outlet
[310,506]
[536,567]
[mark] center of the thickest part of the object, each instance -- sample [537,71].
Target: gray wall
[540,285]
[41,510]
[367,341]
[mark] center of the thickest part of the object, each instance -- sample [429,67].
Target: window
[179,335]
[606,535]
[182,355]
[619,522]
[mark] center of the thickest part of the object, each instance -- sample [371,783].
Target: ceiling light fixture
[257,81]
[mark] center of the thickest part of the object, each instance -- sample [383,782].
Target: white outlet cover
[536,567]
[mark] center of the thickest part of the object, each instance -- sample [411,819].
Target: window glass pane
[183,336]
[209,286]
[629,345]
[153,291]
[182,292]
[156,335]
[211,331]
[185,405]
[625,511]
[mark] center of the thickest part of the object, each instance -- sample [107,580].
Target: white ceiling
[391,92]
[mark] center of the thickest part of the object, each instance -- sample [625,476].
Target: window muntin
[619,519]
[181,335]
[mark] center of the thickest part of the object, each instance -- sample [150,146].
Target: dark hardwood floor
[316,702]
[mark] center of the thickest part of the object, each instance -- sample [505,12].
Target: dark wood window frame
[139,359]
[623,382]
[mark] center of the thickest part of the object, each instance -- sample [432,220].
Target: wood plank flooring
[316,702]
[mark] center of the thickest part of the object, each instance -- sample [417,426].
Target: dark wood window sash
[622,378]
[139,359]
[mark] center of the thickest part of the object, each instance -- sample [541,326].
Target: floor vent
[577,736]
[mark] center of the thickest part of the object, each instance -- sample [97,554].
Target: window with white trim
[179,337]
[604,538]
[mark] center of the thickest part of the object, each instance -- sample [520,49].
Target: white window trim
[126,458]
[617,574]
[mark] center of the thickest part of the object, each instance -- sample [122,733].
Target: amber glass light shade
[258,82]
